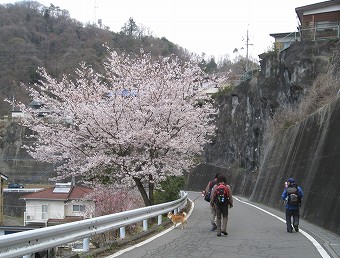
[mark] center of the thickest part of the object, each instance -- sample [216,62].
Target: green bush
[170,189]
[226,89]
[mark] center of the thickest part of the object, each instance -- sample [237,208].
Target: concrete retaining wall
[309,152]
[13,206]
[241,181]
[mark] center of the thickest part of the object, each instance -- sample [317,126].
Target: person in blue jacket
[292,195]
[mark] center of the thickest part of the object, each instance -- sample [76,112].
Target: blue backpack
[207,196]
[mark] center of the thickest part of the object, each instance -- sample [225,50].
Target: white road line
[151,238]
[320,249]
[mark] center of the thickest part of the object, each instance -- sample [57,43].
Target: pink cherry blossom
[143,120]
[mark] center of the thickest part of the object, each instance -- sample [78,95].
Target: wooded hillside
[33,35]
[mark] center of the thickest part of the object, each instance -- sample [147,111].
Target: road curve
[254,231]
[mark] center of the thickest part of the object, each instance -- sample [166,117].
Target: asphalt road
[254,231]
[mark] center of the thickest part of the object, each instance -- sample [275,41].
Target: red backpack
[221,195]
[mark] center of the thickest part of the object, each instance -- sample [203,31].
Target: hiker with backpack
[292,195]
[221,199]
[207,195]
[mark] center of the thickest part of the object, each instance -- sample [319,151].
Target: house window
[327,29]
[78,208]
[44,211]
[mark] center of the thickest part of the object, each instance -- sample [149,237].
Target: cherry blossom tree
[141,121]
[109,200]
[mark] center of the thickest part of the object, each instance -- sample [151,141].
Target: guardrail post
[86,244]
[159,219]
[122,232]
[52,251]
[145,225]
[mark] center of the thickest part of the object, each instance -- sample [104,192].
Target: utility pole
[95,12]
[247,53]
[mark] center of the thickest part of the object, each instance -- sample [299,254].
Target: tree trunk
[151,188]
[142,191]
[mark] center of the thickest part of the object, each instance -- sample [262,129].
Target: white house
[59,204]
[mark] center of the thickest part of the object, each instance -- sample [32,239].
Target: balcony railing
[324,32]
[35,217]
[320,32]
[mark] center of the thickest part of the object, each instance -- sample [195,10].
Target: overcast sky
[213,27]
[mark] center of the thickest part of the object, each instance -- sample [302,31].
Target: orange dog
[177,218]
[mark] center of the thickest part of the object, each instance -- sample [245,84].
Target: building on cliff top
[284,40]
[318,21]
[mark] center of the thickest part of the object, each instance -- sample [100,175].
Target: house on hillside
[36,105]
[3,178]
[317,21]
[284,40]
[320,20]
[62,203]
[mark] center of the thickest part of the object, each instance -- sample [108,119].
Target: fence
[325,32]
[320,32]
[32,241]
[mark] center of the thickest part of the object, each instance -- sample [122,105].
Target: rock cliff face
[243,112]
[309,151]
[15,162]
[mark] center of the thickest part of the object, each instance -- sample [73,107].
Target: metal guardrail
[32,241]
[249,74]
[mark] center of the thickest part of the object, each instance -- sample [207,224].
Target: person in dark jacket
[208,189]
[292,195]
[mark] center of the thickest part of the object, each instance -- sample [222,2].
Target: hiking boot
[214,227]
[296,228]
[224,233]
